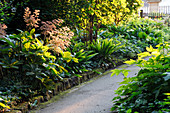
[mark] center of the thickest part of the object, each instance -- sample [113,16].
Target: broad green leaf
[115,71]
[129,111]
[125,72]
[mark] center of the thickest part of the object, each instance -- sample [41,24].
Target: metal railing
[157,12]
[160,11]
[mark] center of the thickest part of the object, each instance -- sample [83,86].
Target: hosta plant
[26,66]
[80,62]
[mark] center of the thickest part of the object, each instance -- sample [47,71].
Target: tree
[106,12]
[86,14]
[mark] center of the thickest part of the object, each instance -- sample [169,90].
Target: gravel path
[93,97]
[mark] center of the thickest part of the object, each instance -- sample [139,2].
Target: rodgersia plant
[55,35]
[2,30]
[59,38]
[31,20]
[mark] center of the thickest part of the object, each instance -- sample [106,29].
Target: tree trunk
[91,27]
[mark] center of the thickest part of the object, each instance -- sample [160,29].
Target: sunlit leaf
[115,71]
[75,60]
[130,62]
[125,72]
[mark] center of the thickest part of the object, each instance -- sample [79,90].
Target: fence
[157,11]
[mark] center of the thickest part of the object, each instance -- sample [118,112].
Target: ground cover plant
[146,92]
[135,35]
[46,51]
[141,32]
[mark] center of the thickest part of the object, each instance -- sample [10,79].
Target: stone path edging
[93,97]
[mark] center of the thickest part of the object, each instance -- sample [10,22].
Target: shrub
[145,92]
[141,32]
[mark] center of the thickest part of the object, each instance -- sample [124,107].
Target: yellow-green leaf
[75,60]
[156,53]
[167,94]
[144,54]
[115,71]
[63,68]
[32,31]
[125,72]
[55,71]
[130,62]
[4,106]
[150,49]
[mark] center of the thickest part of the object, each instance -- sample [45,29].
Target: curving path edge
[92,97]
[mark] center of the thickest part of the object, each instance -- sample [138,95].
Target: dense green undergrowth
[30,62]
[148,92]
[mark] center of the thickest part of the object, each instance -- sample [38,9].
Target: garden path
[92,97]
